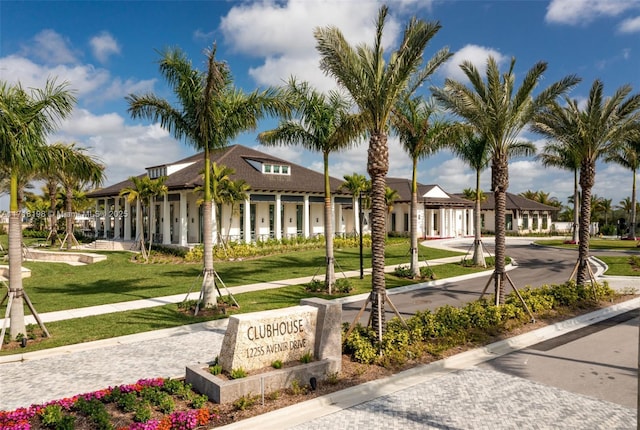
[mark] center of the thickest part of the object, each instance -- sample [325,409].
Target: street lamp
[360,216]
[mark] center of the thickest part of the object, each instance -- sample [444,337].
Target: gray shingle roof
[403,187]
[238,157]
[516,202]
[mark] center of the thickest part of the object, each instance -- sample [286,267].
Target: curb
[334,402]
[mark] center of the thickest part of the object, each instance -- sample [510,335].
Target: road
[535,266]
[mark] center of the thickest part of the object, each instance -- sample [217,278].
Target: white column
[116,218]
[166,221]
[305,218]
[278,214]
[139,227]
[184,219]
[247,219]
[356,214]
[338,218]
[442,223]
[107,218]
[127,219]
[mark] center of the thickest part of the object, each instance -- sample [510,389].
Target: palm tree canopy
[26,118]
[421,133]
[491,106]
[70,164]
[211,110]
[374,83]
[323,123]
[595,131]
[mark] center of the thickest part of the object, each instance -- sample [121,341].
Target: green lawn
[57,286]
[621,266]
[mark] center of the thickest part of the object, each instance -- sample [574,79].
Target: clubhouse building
[284,200]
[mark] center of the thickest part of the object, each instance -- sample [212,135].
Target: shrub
[238,373]
[277,364]
[343,285]
[307,357]
[142,412]
[360,344]
[244,402]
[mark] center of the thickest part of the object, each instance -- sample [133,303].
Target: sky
[107,50]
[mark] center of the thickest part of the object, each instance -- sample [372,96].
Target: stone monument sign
[256,340]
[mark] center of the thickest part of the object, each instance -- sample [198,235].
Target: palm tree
[322,124]
[220,176]
[376,86]
[591,133]
[499,112]
[356,184]
[473,150]
[26,118]
[211,111]
[604,206]
[390,197]
[144,189]
[420,137]
[231,193]
[73,166]
[628,156]
[558,154]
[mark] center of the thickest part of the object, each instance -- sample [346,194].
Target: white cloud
[125,150]
[477,55]
[103,46]
[83,79]
[631,25]
[51,48]
[282,34]
[575,12]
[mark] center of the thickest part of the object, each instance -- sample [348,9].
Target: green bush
[343,285]
[238,373]
[436,332]
[142,412]
[96,411]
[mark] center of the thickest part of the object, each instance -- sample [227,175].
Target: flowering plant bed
[149,404]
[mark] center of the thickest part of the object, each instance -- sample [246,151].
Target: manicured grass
[58,286]
[594,243]
[621,266]
[88,329]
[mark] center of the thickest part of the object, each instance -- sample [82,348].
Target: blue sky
[108,49]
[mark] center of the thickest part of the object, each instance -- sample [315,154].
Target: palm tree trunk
[69,218]
[632,227]
[330,277]
[15,262]
[500,182]
[53,220]
[587,179]
[478,255]
[576,203]
[377,166]
[415,270]
[209,295]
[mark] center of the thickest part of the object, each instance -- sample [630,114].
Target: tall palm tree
[628,156]
[558,154]
[604,206]
[499,112]
[144,189]
[421,135]
[322,123]
[210,112]
[591,133]
[356,184]
[376,86]
[472,149]
[26,118]
[73,167]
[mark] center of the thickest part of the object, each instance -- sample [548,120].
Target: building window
[508,222]
[545,222]
[525,221]
[535,221]
[276,169]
